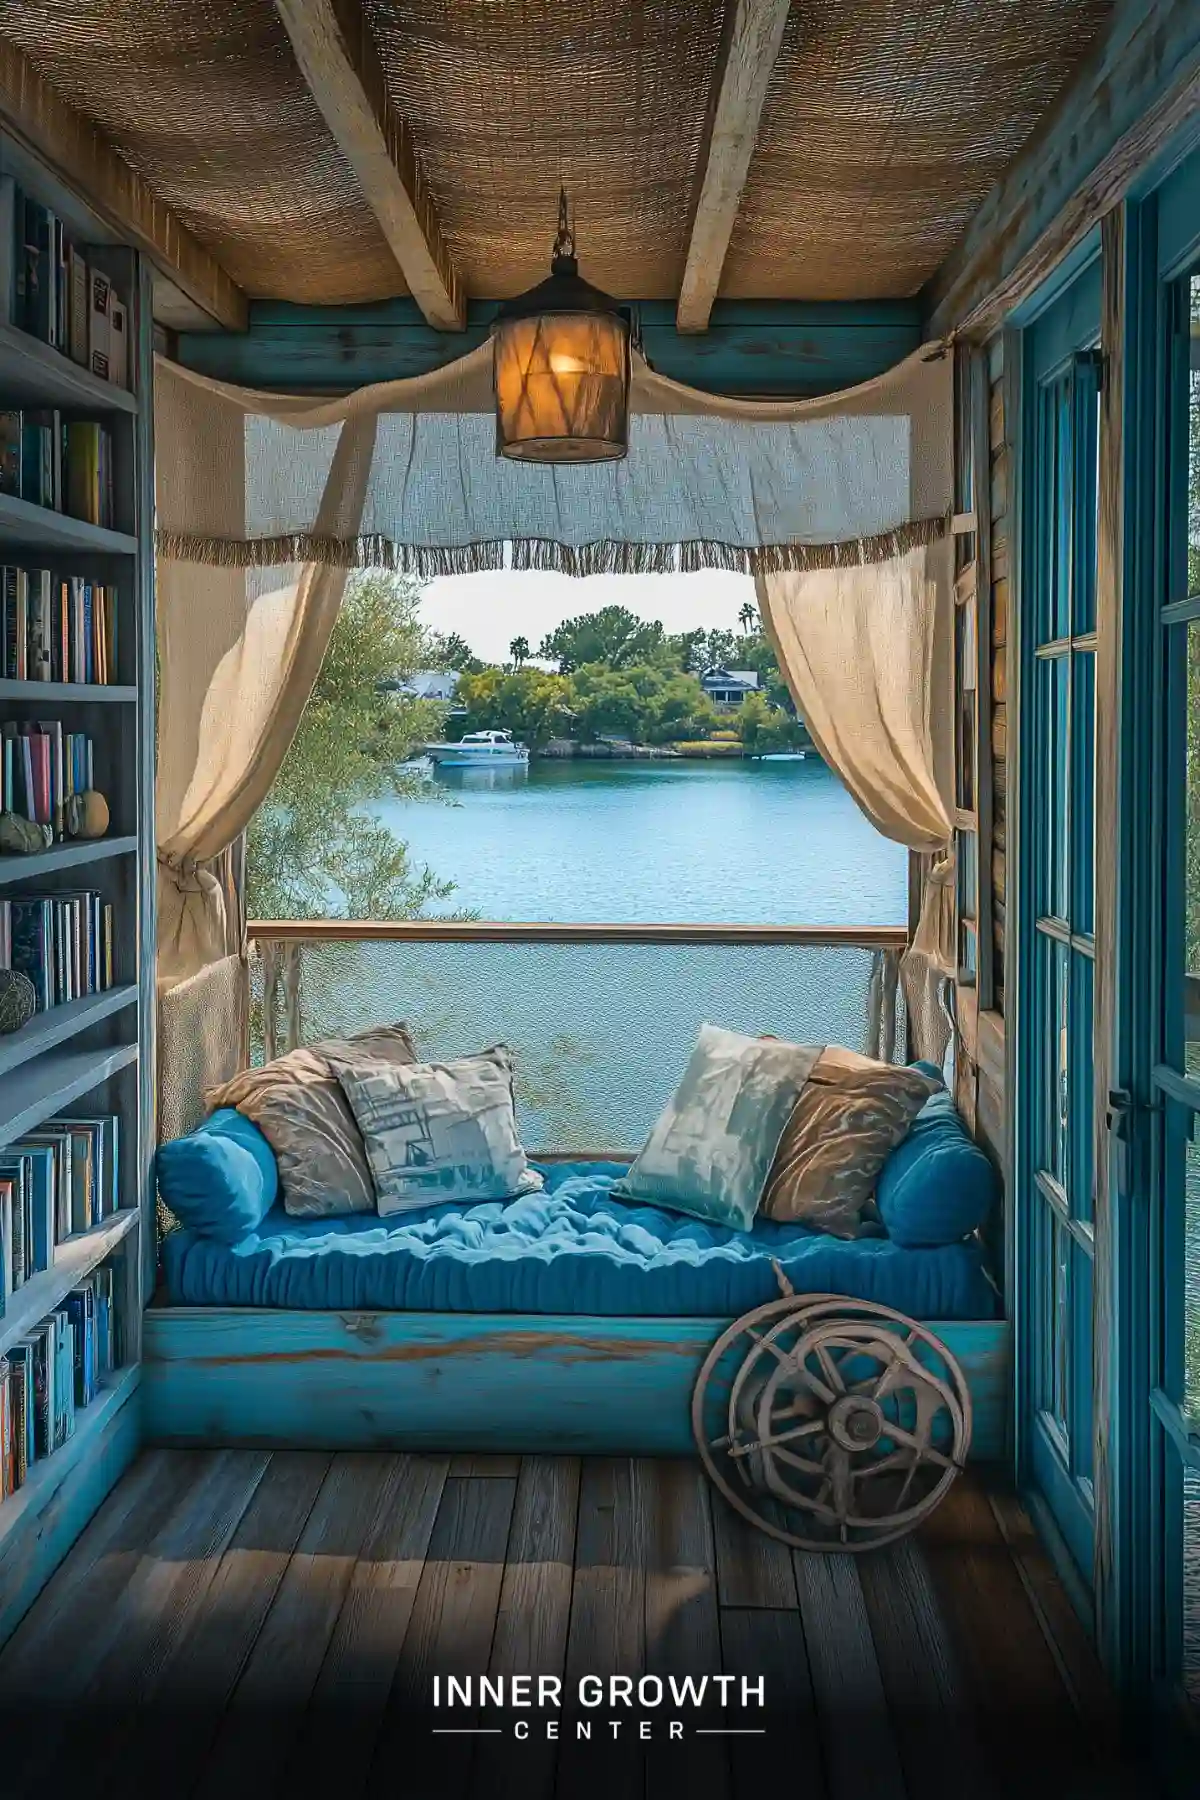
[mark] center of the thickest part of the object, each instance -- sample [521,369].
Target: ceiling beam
[341,66]
[750,41]
[84,160]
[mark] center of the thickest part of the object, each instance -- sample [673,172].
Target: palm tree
[748,616]
[519,651]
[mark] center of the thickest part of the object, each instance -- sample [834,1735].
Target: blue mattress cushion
[573,1248]
[937,1186]
[221,1179]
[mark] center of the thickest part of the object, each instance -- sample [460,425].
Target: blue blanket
[571,1249]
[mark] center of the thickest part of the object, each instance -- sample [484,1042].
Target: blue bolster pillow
[221,1180]
[938,1186]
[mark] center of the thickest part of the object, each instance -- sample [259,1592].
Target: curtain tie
[186,872]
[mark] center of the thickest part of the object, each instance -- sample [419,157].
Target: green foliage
[765,729]
[519,651]
[311,851]
[613,635]
[531,704]
[647,704]
[447,650]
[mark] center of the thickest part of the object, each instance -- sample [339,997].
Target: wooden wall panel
[980,1082]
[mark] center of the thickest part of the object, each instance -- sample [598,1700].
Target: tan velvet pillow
[300,1109]
[850,1117]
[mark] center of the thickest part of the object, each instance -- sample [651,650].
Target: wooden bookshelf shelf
[63,856]
[33,374]
[58,691]
[74,1258]
[35,1090]
[46,1029]
[24,526]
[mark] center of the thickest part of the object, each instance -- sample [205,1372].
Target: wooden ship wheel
[831,1424]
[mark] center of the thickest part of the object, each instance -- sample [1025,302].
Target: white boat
[479,750]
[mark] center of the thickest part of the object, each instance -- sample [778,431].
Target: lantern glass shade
[562,386]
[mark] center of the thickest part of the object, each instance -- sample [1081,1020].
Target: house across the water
[727,688]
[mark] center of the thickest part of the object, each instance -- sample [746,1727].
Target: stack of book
[41,768]
[49,289]
[62,941]
[57,627]
[56,1370]
[63,464]
[61,1179]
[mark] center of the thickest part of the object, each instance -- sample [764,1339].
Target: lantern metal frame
[564,293]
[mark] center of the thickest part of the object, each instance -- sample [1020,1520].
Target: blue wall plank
[449,1381]
[752,347]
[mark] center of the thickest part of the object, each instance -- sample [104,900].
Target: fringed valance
[404,476]
[427,562]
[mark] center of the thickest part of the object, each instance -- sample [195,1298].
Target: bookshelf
[94,1054]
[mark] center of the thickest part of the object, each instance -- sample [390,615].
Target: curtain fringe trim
[605,558]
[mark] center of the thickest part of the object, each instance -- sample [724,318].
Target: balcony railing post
[292,970]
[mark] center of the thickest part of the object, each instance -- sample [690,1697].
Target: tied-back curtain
[866,653]
[239,650]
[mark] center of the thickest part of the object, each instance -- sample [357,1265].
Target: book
[118,341]
[10,200]
[78,308]
[100,296]
[10,453]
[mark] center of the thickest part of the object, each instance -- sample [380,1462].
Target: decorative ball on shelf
[18,1000]
[20,837]
[86,815]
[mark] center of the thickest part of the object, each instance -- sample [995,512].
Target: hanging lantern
[561,367]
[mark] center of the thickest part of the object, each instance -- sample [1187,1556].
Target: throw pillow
[300,1109]
[438,1131]
[220,1180]
[711,1151]
[938,1186]
[851,1115]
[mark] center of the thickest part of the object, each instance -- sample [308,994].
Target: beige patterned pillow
[850,1117]
[302,1112]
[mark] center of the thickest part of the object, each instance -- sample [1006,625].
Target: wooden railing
[477,931]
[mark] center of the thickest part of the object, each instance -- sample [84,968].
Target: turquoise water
[697,842]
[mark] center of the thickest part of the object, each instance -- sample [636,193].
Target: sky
[489,610]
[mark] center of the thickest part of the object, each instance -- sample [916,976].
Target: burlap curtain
[239,650]
[867,656]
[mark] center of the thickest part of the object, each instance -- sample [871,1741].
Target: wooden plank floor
[272,1624]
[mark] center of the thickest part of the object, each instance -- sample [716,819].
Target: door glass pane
[1060,1322]
[1058,616]
[1191,1585]
[1191,1278]
[1082,1099]
[1054,677]
[1193,570]
[1083,818]
[1055,959]
[1081,1357]
[1191,853]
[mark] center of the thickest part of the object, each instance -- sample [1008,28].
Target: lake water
[699,842]
[602,1032]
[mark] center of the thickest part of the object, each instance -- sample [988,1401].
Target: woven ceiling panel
[886,123]
[204,99]
[509,98]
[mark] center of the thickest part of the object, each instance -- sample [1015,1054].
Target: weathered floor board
[274,1623]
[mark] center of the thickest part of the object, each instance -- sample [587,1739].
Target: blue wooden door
[1056,1243]
[1175,1076]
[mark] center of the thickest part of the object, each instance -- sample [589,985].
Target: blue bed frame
[465,1381]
